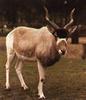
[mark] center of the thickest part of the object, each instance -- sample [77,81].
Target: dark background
[31,13]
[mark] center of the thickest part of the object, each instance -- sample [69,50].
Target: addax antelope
[43,45]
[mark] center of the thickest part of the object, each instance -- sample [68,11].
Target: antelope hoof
[42,98]
[7,88]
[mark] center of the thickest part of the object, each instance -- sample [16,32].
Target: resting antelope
[42,45]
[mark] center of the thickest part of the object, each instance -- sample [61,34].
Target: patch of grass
[66,80]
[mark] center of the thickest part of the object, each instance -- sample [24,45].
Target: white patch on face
[60,40]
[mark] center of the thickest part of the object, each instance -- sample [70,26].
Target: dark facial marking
[61,33]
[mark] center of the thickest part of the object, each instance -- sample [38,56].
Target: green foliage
[15,13]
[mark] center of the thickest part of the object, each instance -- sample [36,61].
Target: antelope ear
[72,29]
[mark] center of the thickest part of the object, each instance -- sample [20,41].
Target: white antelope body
[30,44]
[40,45]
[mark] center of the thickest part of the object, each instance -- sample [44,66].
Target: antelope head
[61,34]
